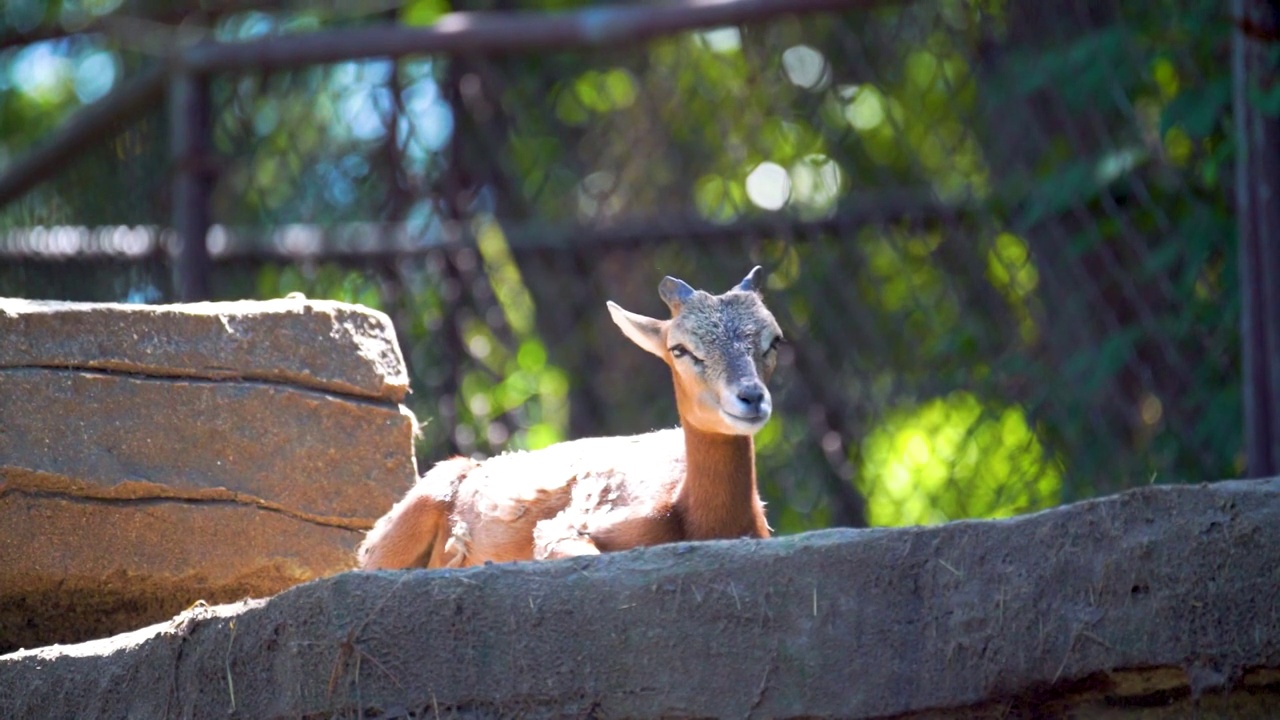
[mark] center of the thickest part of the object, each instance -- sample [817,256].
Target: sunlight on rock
[951,458]
[769,186]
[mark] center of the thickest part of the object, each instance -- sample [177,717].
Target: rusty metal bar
[497,32]
[1258,216]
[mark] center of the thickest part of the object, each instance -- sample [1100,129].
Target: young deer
[603,494]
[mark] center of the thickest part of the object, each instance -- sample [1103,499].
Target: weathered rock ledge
[1154,603]
[320,344]
[151,456]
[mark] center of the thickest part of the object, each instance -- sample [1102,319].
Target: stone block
[151,457]
[320,344]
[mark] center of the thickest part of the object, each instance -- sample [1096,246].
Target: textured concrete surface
[129,490]
[319,344]
[1161,602]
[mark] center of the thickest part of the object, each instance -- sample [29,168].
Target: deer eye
[773,346]
[679,351]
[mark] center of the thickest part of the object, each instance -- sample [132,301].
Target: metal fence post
[1258,215]
[191,146]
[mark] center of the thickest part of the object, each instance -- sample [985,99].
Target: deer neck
[718,498]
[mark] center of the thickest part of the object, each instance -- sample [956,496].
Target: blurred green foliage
[952,458]
[998,233]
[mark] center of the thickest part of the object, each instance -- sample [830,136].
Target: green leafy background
[999,234]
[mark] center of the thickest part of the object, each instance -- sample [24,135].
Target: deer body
[596,495]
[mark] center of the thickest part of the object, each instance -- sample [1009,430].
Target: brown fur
[613,493]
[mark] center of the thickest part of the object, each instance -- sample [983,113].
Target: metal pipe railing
[1258,233]
[498,32]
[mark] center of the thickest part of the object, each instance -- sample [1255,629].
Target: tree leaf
[423,12]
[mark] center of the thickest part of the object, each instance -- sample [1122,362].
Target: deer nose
[752,398]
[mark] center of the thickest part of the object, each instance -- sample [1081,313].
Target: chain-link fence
[998,234]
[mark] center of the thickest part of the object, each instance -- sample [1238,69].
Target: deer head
[721,349]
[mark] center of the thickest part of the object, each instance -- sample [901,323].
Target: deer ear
[643,331]
[674,293]
[753,281]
